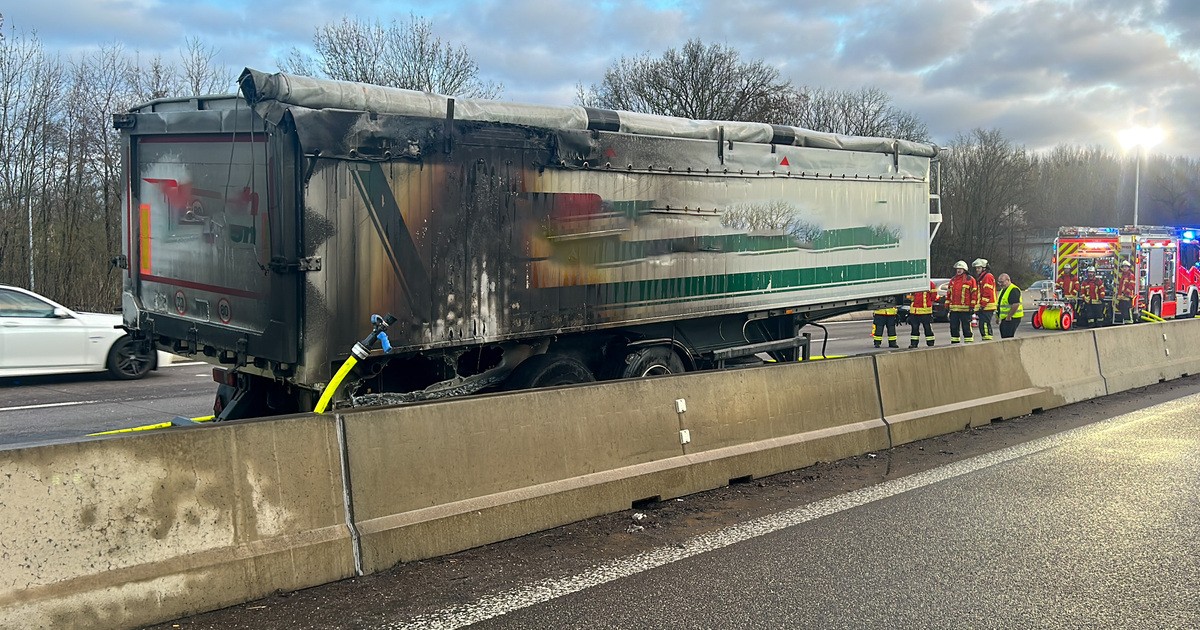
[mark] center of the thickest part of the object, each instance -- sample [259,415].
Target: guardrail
[126,531]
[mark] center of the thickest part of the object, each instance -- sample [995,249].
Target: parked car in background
[1042,289]
[941,313]
[40,336]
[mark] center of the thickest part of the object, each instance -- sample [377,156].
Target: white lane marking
[188,364]
[49,405]
[545,590]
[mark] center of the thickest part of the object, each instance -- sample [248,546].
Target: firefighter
[986,308]
[1126,291]
[1009,306]
[884,318]
[1091,295]
[961,297]
[920,313]
[1068,283]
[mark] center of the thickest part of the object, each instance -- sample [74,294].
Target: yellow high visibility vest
[1005,308]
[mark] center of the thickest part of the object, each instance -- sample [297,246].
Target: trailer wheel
[1192,306]
[652,361]
[548,370]
[1156,305]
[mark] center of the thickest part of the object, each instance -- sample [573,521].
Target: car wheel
[129,360]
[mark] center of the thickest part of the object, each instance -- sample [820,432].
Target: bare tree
[153,79]
[401,54]
[700,82]
[865,112]
[30,85]
[198,71]
[986,189]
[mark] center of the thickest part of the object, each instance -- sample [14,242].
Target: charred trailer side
[517,245]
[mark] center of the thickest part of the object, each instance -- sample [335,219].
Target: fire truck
[1164,259]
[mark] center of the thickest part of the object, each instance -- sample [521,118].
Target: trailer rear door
[199,228]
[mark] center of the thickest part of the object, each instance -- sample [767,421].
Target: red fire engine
[1164,260]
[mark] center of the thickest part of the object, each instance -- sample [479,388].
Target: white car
[40,336]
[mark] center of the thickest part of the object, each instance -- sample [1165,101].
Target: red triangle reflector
[784,162]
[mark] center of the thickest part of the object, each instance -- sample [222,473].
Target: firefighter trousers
[1125,311]
[985,324]
[882,322]
[960,326]
[917,321]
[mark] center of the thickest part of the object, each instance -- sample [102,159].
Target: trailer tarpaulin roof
[274,94]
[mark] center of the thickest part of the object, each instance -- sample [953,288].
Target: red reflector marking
[784,162]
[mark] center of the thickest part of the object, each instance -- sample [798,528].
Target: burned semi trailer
[517,245]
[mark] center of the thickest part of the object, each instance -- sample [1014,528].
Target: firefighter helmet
[1125,263]
[979,262]
[961,265]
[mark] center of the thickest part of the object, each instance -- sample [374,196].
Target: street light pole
[1139,138]
[1137,180]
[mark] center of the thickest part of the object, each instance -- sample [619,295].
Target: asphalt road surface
[66,407]
[1084,516]
[53,408]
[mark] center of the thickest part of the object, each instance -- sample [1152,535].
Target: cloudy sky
[1045,72]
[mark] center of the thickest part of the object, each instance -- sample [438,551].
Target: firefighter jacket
[922,301]
[987,292]
[1127,286]
[1092,290]
[1010,305]
[1069,284]
[963,293]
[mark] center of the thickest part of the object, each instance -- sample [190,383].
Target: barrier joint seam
[1100,363]
[344,455]
[879,397]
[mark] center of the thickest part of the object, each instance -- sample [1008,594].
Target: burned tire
[652,361]
[548,370]
[129,360]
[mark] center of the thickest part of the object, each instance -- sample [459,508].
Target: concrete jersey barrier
[123,532]
[1139,355]
[529,461]
[941,390]
[133,530]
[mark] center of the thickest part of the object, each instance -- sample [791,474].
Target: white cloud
[1043,71]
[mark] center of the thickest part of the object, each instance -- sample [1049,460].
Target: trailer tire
[1156,305]
[548,370]
[652,361]
[1192,306]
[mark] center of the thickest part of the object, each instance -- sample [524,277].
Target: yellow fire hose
[332,387]
[150,427]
